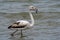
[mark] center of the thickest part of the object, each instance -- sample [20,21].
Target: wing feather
[19,24]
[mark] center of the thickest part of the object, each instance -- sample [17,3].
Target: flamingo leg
[14,32]
[21,33]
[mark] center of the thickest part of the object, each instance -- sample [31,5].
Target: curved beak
[36,10]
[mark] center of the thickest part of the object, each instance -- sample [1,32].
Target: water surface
[47,20]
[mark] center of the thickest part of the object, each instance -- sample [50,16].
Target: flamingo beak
[36,11]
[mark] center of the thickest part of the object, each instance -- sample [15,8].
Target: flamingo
[23,24]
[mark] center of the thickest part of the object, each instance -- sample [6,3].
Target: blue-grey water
[47,20]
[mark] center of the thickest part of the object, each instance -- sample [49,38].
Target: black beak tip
[36,10]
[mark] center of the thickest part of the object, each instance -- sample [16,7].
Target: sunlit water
[47,20]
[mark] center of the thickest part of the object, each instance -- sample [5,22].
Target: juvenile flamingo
[23,24]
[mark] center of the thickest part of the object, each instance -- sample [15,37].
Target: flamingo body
[20,24]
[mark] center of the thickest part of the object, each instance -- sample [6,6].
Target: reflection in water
[23,38]
[18,37]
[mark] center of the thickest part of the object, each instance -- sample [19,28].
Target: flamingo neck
[32,19]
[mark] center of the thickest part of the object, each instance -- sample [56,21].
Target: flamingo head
[33,8]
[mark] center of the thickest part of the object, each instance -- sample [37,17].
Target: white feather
[23,22]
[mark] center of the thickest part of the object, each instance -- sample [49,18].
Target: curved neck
[32,19]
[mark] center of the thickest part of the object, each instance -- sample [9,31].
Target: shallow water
[47,21]
[47,26]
